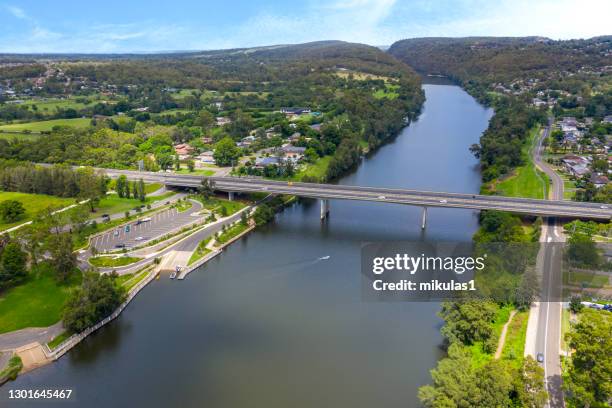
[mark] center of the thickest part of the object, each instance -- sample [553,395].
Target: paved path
[502,337]
[15,339]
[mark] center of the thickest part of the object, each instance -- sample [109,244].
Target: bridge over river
[424,199]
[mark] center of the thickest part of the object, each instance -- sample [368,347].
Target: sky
[113,26]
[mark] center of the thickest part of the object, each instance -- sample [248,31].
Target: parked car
[540,357]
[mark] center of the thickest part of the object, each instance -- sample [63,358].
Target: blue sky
[144,26]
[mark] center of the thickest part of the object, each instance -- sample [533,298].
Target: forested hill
[348,97]
[500,59]
[204,68]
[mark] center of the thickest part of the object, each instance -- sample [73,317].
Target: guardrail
[75,339]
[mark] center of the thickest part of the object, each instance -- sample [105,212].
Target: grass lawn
[200,251]
[38,302]
[514,347]
[200,172]
[152,187]
[110,262]
[317,170]
[113,204]
[130,283]
[390,92]
[46,125]
[57,340]
[585,279]
[479,356]
[216,204]
[565,327]
[183,205]
[49,106]
[33,204]
[526,181]
[231,232]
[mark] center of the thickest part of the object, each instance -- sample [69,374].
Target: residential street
[548,313]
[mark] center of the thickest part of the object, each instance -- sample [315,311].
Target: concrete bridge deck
[527,206]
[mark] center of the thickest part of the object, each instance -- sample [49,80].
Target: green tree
[63,258]
[530,385]
[12,265]
[588,380]
[226,153]
[89,187]
[142,195]
[205,119]
[207,188]
[190,165]
[467,321]
[11,210]
[96,298]
[164,160]
[575,304]
[120,186]
[582,250]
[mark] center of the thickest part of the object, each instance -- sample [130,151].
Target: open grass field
[45,125]
[200,172]
[33,204]
[514,346]
[526,181]
[52,104]
[36,303]
[317,170]
[57,340]
[200,251]
[112,203]
[231,232]
[586,279]
[110,262]
[216,204]
[360,76]
[389,93]
[479,356]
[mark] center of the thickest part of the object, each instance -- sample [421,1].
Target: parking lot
[146,229]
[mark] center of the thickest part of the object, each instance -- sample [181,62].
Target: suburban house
[221,120]
[293,153]
[295,111]
[576,165]
[262,162]
[316,127]
[599,180]
[295,137]
[205,158]
[183,150]
[568,124]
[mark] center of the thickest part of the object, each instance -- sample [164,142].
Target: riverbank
[290,293]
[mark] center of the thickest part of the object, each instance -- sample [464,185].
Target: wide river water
[270,323]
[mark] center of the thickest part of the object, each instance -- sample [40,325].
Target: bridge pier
[424,219]
[230,195]
[324,209]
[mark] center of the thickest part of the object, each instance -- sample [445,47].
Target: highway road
[551,208]
[548,336]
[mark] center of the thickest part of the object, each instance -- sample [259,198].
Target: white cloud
[17,12]
[377,22]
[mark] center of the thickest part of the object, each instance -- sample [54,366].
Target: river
[270,323]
